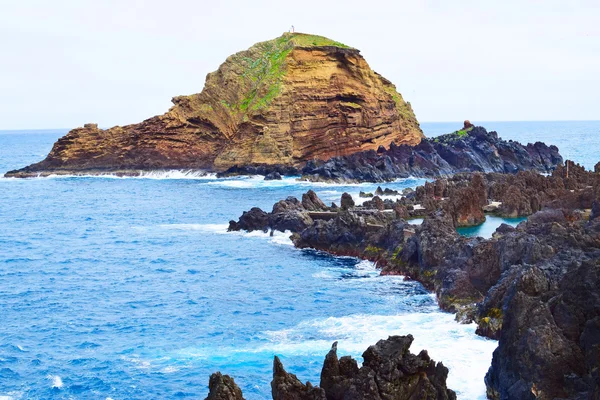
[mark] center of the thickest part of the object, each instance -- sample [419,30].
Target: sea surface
[131,288]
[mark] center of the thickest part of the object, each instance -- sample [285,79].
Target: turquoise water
[130,288]
[486,229]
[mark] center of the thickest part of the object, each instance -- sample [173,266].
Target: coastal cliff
[285,101]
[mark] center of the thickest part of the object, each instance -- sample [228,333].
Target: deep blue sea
[131,288]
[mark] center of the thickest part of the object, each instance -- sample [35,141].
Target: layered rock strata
[281,102]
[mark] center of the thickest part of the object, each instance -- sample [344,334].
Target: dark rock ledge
[471,149]
[390,371]
[535,288]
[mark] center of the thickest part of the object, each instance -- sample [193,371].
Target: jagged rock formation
[223,387]
[286,386]
[471,149]
[285,101]
[389,372]
[535,287]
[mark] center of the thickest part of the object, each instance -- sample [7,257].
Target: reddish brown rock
[285,101]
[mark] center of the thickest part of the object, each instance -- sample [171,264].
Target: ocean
[131,288]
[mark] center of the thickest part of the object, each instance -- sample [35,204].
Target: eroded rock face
[286,386]
[472,149]
[389,371]
[285,101]
[223,387]
[253,220]
[535,287]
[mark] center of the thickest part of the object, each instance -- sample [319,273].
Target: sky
[68,62]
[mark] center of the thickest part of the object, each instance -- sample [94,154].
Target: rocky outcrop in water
[535,287]
[390,371]
[286,386]
[471,149]
[223,387]
[281,102]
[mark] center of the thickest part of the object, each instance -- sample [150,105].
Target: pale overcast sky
[68,62]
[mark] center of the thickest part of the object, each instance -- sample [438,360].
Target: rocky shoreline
[471,149]
[535,287]
[389,371]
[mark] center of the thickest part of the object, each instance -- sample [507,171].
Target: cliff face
[285,101]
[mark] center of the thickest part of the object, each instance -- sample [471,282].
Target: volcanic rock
[312,202]
[347,202]
[223,387]
[389,371]
[469,150]
[286,386]
[273,176]
[285,101]
[253,220]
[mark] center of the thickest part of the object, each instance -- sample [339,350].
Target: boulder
[223,387]
[312,202]
[253,220]
[273,176]
[347,202]
[290,214]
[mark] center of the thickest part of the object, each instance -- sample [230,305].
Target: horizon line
[420,122]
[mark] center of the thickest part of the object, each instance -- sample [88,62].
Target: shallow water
[487,229]
[130,288]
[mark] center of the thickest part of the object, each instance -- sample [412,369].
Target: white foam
[323,275]
[360,200]
[281,238]
[137,361]
[466,355]
[366,265]
[172,174]
[258,181]
[56,381]
[212,228]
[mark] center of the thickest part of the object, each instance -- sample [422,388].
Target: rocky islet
[274,106]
